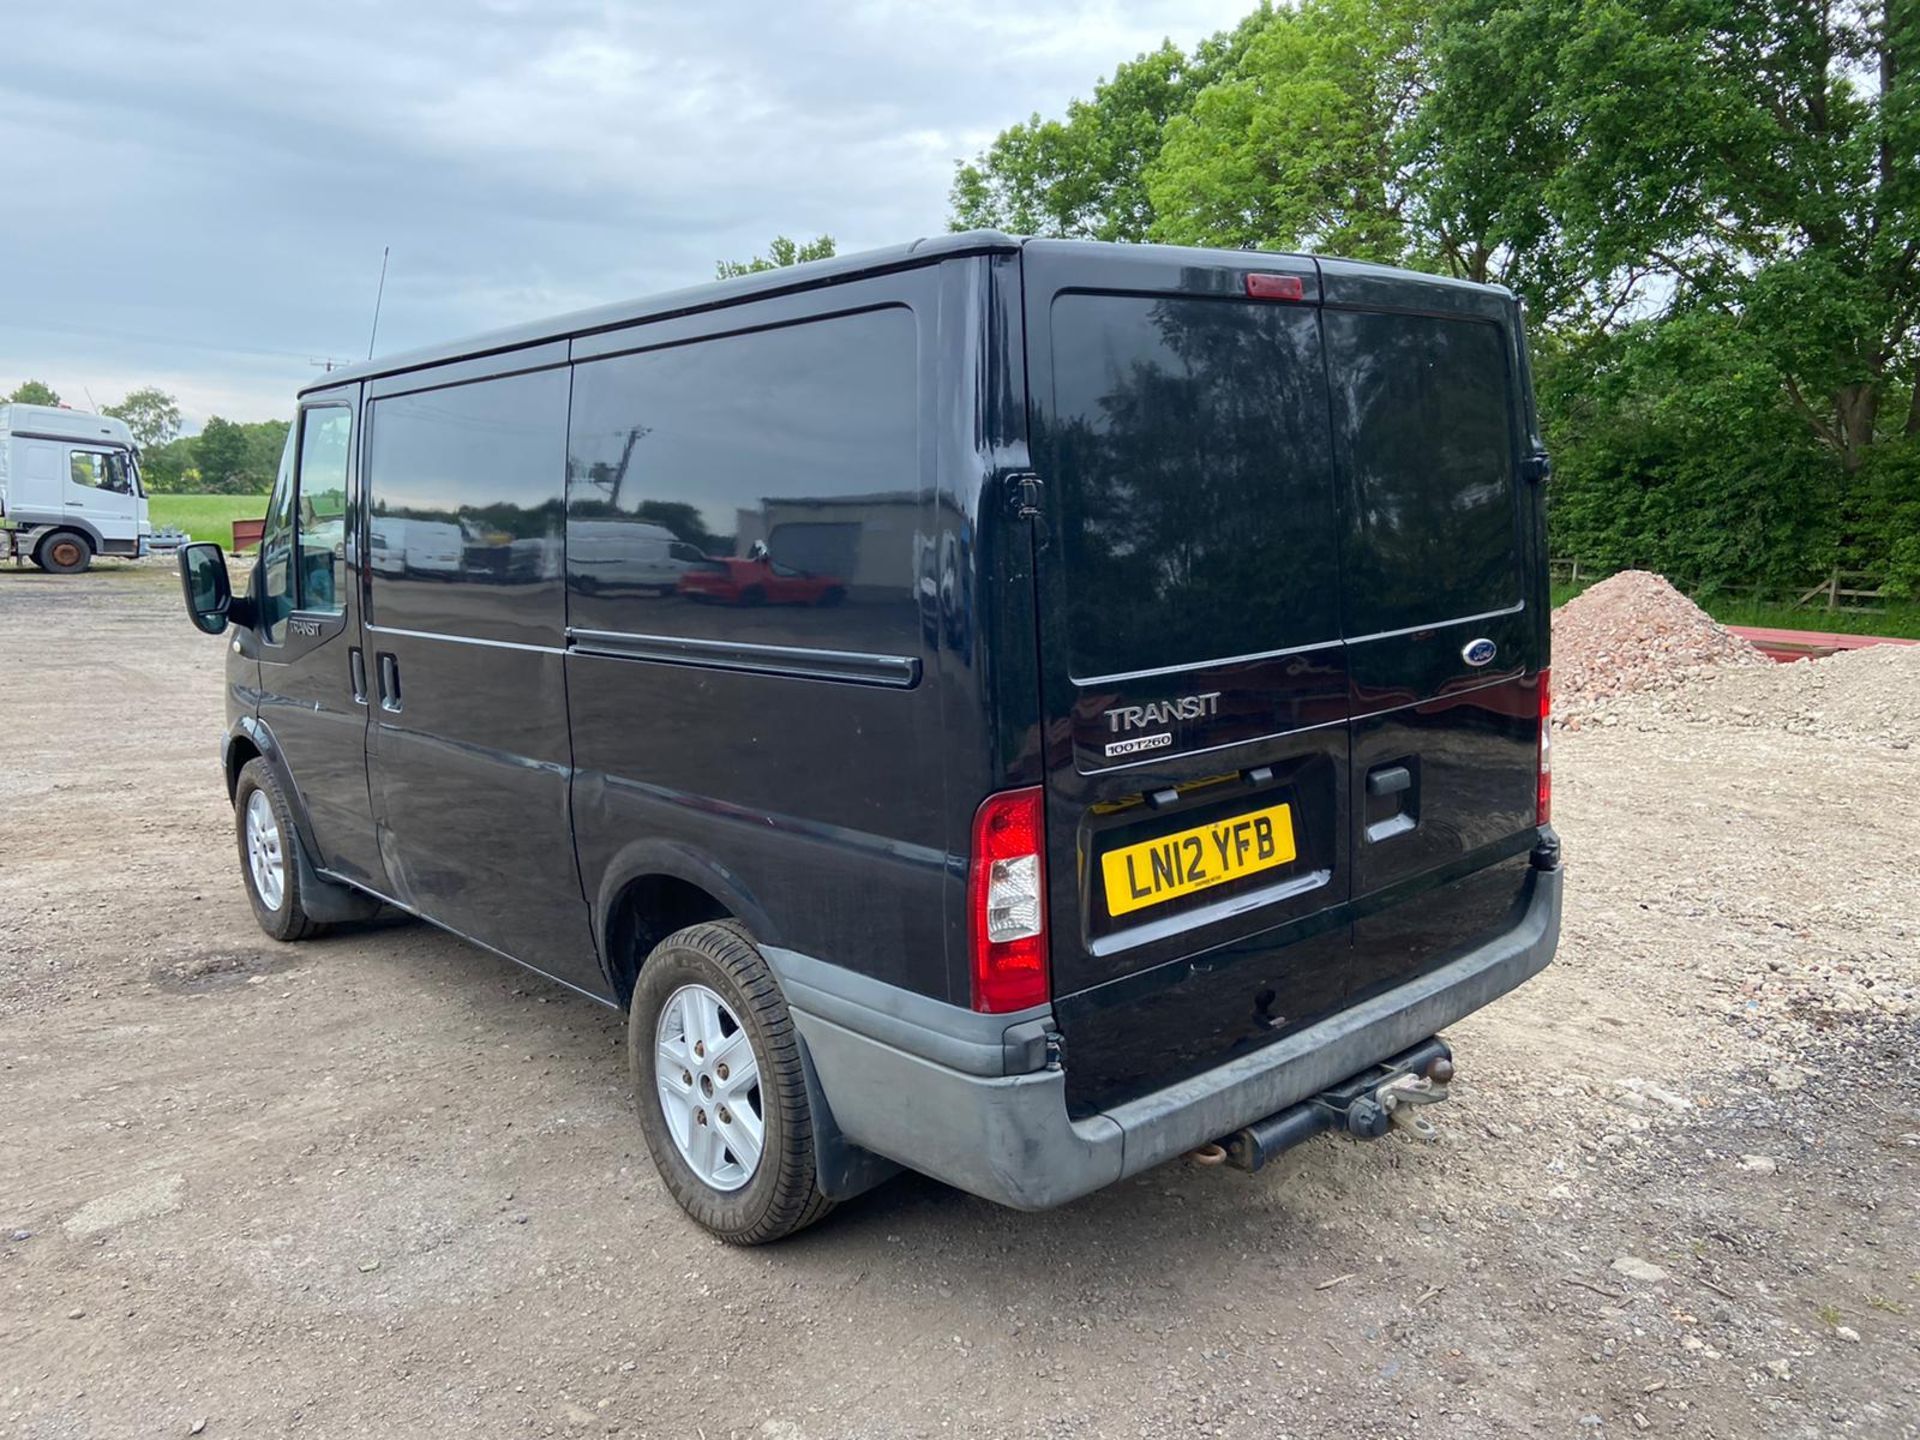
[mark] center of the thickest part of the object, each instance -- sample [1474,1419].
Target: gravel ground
[383,1184]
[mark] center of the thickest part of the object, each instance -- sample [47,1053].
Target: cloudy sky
[197,193]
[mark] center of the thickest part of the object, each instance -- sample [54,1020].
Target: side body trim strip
[899,672]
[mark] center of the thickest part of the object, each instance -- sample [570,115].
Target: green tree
[169,468]
[1674,453]
[1085,176]
[266,439]
[34,392]
[1730,188]
[782,252]
[151,414]
[1485,155]
[1302,145]
[1082,176]
[1709,206]
[1753,157]
[220,454]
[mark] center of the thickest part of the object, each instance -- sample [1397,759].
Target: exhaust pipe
[1366,1106]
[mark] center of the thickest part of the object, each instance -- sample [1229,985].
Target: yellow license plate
[1198,859]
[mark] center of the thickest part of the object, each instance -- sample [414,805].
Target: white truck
[69,488]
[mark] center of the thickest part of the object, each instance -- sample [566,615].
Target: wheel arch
[236,751]
[251,739]
[326,900]
[654,887]
[78,526]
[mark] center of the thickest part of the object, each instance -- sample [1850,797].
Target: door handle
[389,682]
[357,672]
[1393,800]
[1390,780]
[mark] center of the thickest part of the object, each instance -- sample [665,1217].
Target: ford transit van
[1021,711]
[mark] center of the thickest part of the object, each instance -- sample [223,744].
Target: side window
[84,466]
[303,548]
[276,550]
[326,436]
[782,468]
[100,470]
[465,486]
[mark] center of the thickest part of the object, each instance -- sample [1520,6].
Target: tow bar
[1386,1097]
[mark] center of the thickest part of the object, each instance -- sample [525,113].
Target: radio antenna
[378,296]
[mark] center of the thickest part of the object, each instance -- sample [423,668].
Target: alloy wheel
[708,1079]
[265,855]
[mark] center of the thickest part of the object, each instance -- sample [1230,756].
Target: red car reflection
[759,581]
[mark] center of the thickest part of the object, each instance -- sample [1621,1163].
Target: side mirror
[204,583]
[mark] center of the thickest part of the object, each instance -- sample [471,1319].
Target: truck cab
[70,487]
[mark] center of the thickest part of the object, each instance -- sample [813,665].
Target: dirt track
[383,1184]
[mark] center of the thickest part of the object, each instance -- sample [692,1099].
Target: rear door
[1198,768]
[1443,608]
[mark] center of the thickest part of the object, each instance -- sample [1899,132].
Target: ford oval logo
[1478,652]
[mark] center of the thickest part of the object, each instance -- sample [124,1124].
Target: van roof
[1337,281]
[56,422]
[678,302]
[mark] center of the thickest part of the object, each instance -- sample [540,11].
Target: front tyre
[718,1082]
[263,822]
[64,552]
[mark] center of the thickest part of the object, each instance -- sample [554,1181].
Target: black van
[1022,711]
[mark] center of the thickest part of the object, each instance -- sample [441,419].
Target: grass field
[205,517]
[1898,619]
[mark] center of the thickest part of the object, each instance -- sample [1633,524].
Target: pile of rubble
[1872,694]
[1634,633]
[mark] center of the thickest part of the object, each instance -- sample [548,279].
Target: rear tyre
[269,845]
[718,1082]
[64,552]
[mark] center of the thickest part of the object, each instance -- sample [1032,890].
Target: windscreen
[1423,428]
[1189,442]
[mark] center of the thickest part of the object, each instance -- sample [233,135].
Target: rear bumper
[912,1094]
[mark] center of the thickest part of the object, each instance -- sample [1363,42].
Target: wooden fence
[1841,590]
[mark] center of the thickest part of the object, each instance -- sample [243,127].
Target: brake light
[1007,903]
[1543,802]
[1276,287]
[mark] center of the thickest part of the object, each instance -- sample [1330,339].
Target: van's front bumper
[901,1074]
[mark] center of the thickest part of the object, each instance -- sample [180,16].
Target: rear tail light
[1007,903]
[1543,803]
